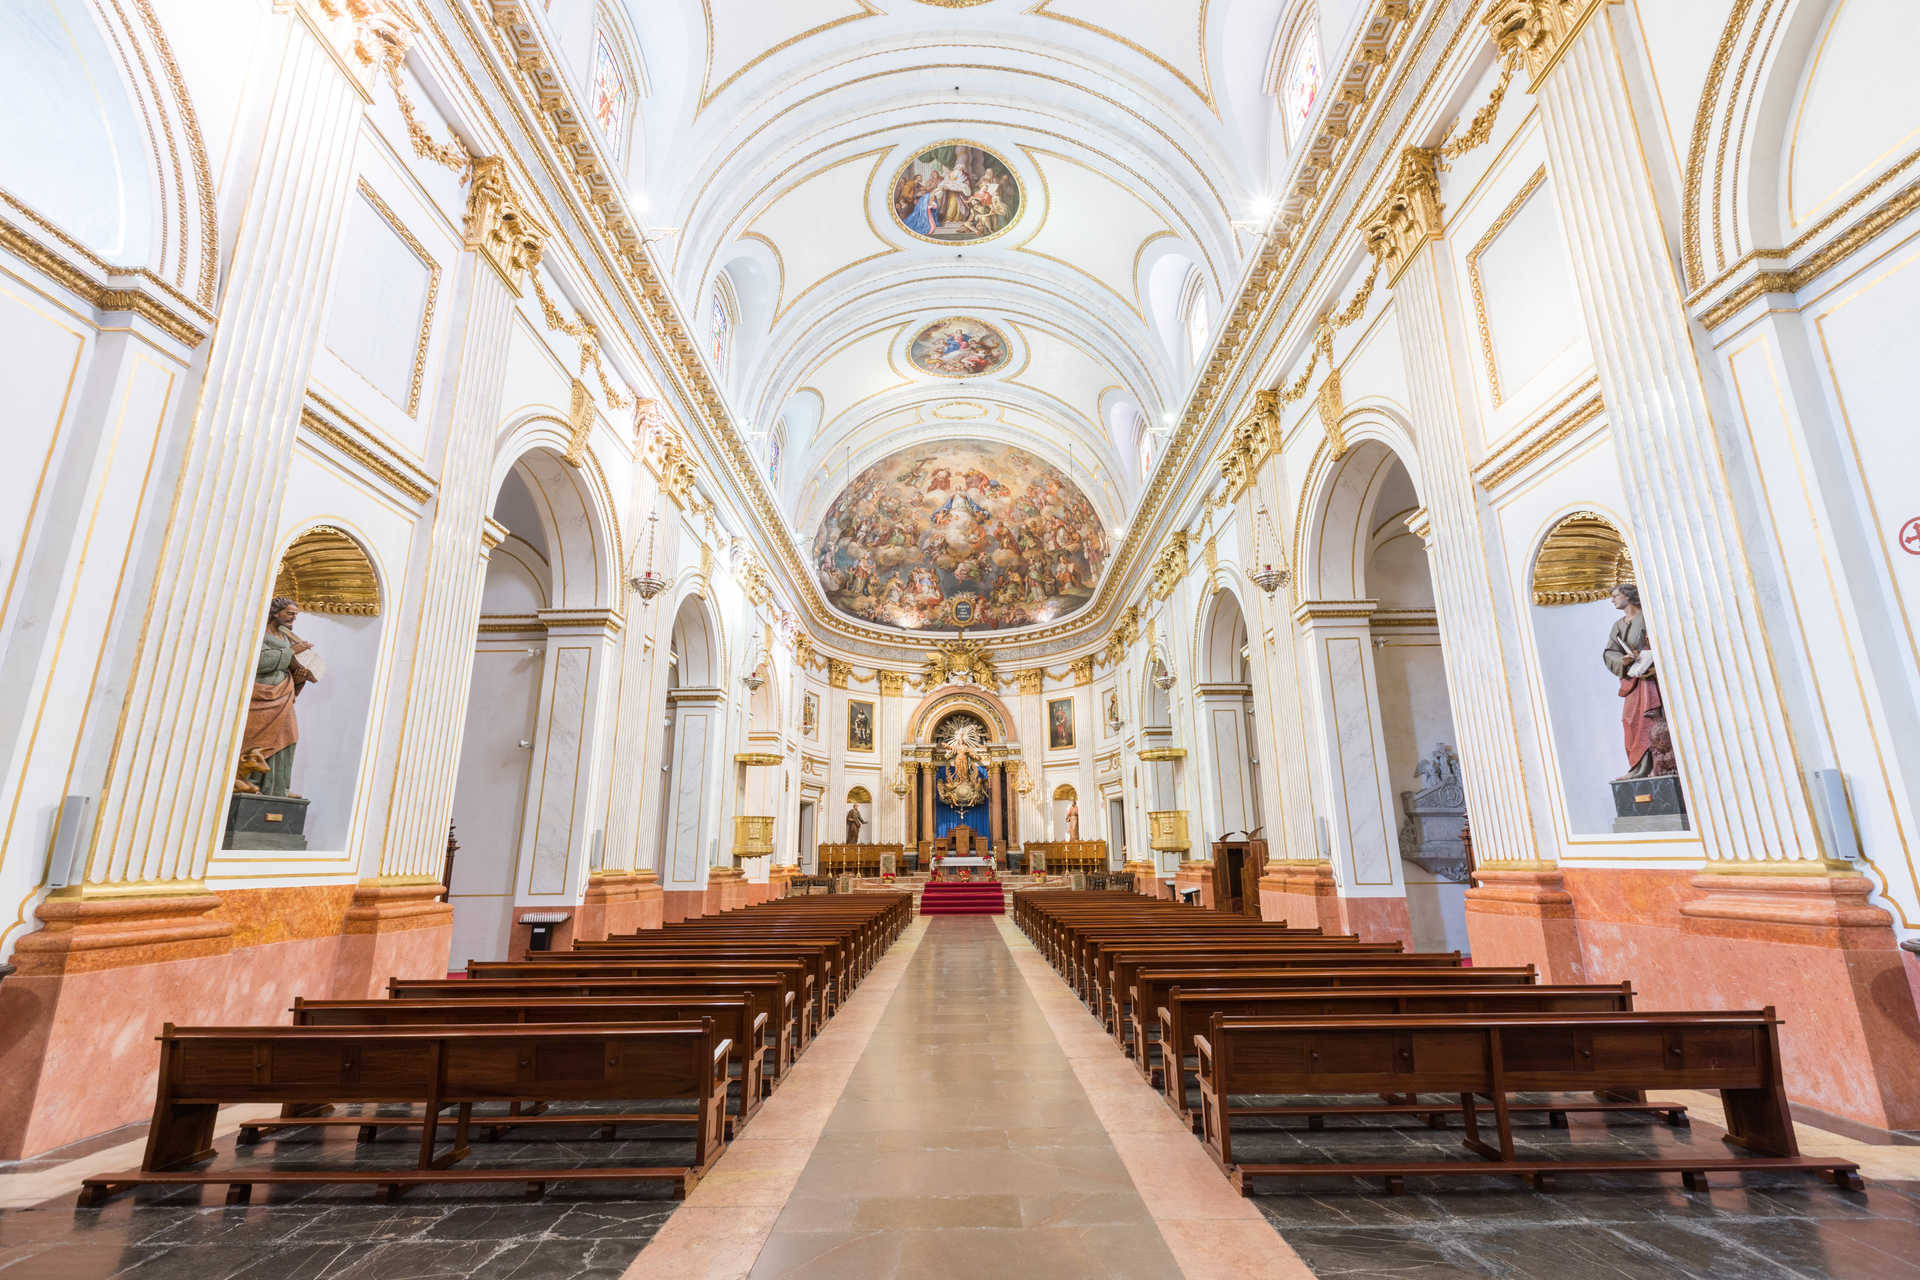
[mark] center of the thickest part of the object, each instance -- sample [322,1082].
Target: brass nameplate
[276,817]
[1643,796]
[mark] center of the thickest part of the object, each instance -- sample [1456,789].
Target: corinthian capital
[1411,213]
[497,227]
[1538,31]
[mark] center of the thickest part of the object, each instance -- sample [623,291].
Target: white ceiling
[770,132]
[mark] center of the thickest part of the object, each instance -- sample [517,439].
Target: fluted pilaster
[163,799]
[1719,680]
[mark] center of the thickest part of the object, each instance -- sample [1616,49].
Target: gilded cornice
[101,285]
[329,424]
[499,229]
[756,759]
[1534,442]
[1153,754]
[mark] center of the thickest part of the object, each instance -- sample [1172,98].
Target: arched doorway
[1389,776]
[693,732]
[525,798]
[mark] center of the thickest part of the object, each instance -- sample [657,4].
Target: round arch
[938,704]
[1330,534]
[574,507]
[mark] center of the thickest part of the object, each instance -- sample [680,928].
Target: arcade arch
[1389,774]
[546,643]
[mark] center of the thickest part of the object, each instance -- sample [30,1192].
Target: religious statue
[854,823]
[1073,820]
[278,677]
[1629,655]
[966,749]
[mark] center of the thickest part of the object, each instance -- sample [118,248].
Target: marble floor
[963,1115]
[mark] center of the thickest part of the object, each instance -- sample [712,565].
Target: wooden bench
[431,1068]
[1150,985]
[734,1016]
[1491,1056]
[792,974]
[767,996]
[1185,1012]
[1110,990]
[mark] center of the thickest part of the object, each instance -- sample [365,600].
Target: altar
[948,866]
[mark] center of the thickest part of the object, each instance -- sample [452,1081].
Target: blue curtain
[946,817]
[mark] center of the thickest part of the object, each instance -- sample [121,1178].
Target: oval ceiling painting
[959,348]
[960,533]
[956,193]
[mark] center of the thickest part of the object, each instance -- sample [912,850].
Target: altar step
[963,898]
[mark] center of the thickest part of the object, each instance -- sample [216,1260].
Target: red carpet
[963,898]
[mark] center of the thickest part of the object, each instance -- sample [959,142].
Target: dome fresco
[960,534]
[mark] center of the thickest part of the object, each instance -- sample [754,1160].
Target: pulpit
[1237,865]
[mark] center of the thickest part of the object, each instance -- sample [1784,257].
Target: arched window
[726,317]
[1194,318]
[610,93]
[1301,87]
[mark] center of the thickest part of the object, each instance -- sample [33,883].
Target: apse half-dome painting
[960,534]
[959,347]
[956,193]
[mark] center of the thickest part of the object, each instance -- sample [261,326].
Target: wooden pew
[766,994]
[1110,985]
[792,973]
[735,1016]
[1494,1055]
[1185,1012]
[1150,985]
[432,1068]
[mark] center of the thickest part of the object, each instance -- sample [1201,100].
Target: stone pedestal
[1649,804]
[1752,935]
[1524,915]
[610,905]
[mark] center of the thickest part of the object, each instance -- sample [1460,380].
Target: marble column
[927,779]
[1473,611]
[1518,912]
[996,833]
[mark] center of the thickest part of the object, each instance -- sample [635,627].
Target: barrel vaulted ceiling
[1137,138]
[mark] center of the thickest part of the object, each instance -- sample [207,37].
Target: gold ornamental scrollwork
[1411,213]
[959,661]
[1030,680]
[838,672]
[1537,32]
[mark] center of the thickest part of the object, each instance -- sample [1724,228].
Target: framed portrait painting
[859,726]
[1059,724]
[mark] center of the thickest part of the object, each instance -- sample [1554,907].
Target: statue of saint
[1073,821]
[854,823]
[1630,656]
[278,677]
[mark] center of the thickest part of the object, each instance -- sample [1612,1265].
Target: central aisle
[963,1143]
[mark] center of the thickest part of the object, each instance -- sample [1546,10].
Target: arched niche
[1065,797]
[331,577]
[1578,560]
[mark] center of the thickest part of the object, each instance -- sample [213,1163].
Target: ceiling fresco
[960,534]
[956,193]
[959,347]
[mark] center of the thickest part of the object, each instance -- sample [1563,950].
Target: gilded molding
[399,228]
[838,672]
[1030,680]
[1507,215]
[892,683]
[757,759]
[354,443]
[1081,669]
[1152,754]
[1334,610]
[1544,436]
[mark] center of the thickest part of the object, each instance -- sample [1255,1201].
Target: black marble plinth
[277,823]
[1650,797]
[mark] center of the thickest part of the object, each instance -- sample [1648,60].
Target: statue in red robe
[1643,718]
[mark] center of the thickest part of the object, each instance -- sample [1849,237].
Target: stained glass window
[1199,328]
[722,332]
[1303,83]
[609,94]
